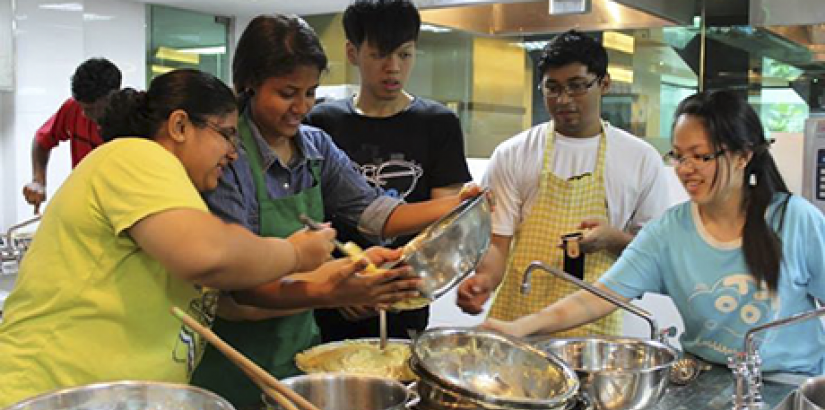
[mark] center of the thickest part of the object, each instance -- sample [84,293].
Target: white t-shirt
[634,176]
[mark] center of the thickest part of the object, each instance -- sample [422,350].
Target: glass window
[186,39]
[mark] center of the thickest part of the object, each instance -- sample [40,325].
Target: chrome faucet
[747,365]
[10,251]
[655,334]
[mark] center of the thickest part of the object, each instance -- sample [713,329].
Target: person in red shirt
[76,121]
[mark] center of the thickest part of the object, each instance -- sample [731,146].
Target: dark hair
[731,124]
[274,46]
[132,113]
[574,47]
[386,24]
[95,78]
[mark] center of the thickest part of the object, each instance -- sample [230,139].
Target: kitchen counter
[713,390]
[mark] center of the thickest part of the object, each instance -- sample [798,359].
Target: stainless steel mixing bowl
[626,374]
[347,392]
[449,249]
[127,395]
[491,370]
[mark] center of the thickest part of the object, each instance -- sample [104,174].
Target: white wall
[49,45]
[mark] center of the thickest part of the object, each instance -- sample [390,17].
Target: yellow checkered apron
[560,207]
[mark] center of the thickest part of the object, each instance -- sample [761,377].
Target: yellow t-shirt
[89,305]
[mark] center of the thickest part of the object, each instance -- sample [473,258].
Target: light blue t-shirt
[717,297]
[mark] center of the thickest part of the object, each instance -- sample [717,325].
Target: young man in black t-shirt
[411,147]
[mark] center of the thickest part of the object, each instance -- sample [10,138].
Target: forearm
[575,310]
[494,263]
[412,218]
[292,292]
[40,161]
[198,247]
[231,310]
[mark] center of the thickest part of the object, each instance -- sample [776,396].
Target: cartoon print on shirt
[189,345]
[397,176]
[736,295]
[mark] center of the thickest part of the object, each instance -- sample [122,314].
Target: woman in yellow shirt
[127,236]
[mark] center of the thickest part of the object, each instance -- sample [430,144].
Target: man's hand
[599,235]
[473,293]
[35,194]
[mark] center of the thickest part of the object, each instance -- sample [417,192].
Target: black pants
[334,327]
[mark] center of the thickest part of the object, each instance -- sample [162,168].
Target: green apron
[270,343]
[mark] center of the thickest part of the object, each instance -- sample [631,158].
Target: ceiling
[255,7]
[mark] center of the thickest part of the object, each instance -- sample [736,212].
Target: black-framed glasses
[230,134]
[573,88]
[695,161]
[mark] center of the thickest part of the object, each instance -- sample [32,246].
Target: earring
[752,180]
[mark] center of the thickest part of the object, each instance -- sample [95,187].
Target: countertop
[713,390]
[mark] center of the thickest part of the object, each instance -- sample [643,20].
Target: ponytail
[127,115]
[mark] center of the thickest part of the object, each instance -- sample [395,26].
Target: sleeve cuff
[372,221]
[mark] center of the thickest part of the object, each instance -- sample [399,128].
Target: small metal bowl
[615,373]
[449,249]
[127,395]
[492,370]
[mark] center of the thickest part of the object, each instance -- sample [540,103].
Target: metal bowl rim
[568,372]
[325,376]
[104,385]
[675,354]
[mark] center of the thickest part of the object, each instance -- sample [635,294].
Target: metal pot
[617,374]
[127,395]
[473,368]
[348,392]
[811,394]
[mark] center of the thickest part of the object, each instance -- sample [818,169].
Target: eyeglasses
[696,161]
[573,88]
[230,134]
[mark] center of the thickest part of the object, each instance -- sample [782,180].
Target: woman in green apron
[286,169]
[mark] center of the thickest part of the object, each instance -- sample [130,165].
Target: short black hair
[386,24]
[95,78]
[574,47]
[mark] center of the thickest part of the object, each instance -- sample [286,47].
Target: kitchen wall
[50,40]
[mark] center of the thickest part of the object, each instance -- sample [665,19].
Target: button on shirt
[347,195]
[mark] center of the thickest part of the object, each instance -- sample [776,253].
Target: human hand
[35,194]
[599,235]
[348,284]
[473,293]
[356,313]
[312,247]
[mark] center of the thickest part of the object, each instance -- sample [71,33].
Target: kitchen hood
[510,18]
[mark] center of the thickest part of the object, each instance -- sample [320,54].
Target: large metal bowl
[449,249]
[491,370]
[127,395]
[347,392]
[626,374]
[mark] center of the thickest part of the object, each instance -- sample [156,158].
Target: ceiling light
[62,6]
[203,50]
[619,42]
[620,74]
[434,29]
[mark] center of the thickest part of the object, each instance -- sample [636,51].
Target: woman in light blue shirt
[742,252]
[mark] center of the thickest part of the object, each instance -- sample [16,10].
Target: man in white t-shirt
[575,176]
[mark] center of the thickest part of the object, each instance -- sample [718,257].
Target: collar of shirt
[303,151]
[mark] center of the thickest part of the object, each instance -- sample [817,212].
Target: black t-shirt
[407,154]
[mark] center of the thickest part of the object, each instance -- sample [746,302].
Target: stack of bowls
[616,373]
[461,368]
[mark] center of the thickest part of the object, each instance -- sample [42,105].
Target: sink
[809,396]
